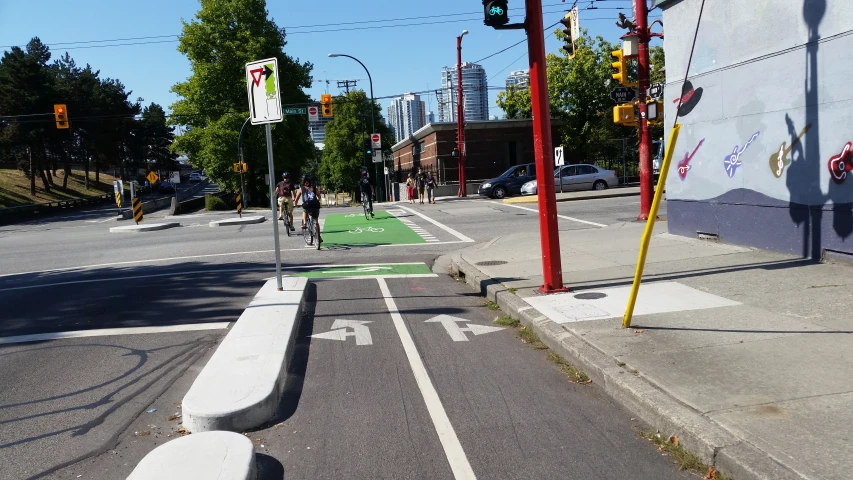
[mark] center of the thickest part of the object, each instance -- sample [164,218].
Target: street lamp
[460,121]
[372,116]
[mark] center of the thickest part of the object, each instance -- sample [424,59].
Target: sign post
[376,149]
[262,87]
[559,161]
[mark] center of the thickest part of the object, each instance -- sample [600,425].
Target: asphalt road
[352,411]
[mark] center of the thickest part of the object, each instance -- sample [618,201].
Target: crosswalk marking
[400,214]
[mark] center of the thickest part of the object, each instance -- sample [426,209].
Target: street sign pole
[273,206]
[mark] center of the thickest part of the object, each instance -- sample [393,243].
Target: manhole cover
[489,263]
[590,296]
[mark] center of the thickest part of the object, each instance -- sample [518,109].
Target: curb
[534,198]
[238,221]
[151,227]
[706,439]
[242,383]
[224,455]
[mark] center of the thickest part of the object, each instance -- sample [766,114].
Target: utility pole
[460,117]
[646,179]
[346,84]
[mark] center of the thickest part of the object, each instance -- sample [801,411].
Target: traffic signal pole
[460,119]
[646,177]
[552,270]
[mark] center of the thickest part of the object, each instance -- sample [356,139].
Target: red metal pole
[549,238]
[646,180]
[460,120]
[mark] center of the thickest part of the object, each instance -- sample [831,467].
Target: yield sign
[456,333]
[256,76]
[340,331]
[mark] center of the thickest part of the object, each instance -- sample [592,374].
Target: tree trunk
[97,172]
[41,168]
[50,178]
[67,174]
[86,181]
[32,173]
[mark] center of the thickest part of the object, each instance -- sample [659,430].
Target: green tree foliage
[515,102]
[343,155]
[223,37]
[104,130]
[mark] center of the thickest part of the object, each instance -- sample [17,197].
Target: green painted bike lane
[354,230]
[377,270]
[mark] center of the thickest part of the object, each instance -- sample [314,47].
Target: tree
[224,36]
[157,136]
[343,154]
[515,102]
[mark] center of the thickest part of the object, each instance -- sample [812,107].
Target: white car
[577,177]
[195,177]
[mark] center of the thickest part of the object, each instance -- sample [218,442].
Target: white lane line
[103,332]
[559,216]
[438,224]
[446,435]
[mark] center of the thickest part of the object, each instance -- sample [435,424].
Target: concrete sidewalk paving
[744,354]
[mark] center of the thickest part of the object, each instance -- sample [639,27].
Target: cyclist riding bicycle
[310,202]
[284,193]
[366,191]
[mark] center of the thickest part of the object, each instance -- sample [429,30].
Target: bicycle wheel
[286,221]
[317,228]
[364,205]
[308,232]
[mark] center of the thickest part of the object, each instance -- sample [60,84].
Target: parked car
[195,177]
[577,177]
[509,182]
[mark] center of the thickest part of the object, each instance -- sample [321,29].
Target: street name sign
[263,90]
[295,110]
[623,94]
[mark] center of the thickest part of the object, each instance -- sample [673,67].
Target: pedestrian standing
[421,182]
[430,185]
[410,188]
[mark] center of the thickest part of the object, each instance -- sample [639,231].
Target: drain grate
[590,296]
[490,263]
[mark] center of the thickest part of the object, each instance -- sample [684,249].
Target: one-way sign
[623,94]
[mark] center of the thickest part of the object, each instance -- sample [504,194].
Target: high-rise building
[518,79]
[475,93]
[406,115]
[430,118]
[317,129]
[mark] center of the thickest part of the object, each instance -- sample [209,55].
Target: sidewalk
[745,355]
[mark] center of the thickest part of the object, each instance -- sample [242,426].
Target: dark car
[509,182]
[166,187]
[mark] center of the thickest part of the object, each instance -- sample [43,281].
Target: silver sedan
[577,177]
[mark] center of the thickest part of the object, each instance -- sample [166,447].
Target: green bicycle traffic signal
[496,13]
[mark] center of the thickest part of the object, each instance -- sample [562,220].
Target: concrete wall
[767,119]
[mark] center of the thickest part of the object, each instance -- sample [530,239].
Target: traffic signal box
[496,13]
[326,105]
[621,74]
[60,113]
[240,167]
[628,114]
[569,46]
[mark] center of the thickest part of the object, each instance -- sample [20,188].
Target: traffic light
[368,147]
[61,115]
[240,167]
[569,47]
[326,104]
[496,13]
[621,74]
[455,152]
[625,114]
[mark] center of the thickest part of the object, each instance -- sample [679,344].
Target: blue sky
[400,59]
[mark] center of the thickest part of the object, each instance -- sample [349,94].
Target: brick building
[492,147]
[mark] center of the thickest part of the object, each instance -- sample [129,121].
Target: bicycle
[285,218]
[311,231]
[367,211]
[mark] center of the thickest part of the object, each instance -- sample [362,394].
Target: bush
[212,202]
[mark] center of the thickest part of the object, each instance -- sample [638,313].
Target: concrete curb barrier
[220,455]
[702,436]
[238,221]
[151,227]
[611,194]
[241,386]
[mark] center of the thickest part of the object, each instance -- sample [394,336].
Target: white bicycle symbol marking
[352,215]
[368,229]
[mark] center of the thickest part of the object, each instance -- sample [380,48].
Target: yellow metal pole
[650,226]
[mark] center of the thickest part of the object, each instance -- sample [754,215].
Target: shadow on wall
[803,180]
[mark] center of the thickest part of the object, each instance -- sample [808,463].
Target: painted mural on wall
[840,165]
[780,160]
[689,99]
[684,164]
[732,161]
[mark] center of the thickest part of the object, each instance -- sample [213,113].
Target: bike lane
[353,229]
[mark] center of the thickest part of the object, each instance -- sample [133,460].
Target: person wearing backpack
[310,202]
[430,187]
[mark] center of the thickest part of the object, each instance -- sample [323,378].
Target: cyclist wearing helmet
[366,191]
[284,193]
[310,201]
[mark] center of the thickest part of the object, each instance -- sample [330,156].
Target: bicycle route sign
[623,94]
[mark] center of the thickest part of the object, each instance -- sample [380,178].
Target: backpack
[309,198]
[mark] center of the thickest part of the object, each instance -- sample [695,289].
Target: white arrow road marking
[358,270]
[339,332]
[456,333]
